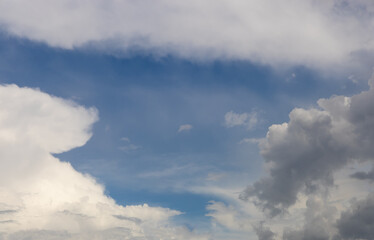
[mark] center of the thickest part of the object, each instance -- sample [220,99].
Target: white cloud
[185,127]
[316,33]
[44,198]
[229,216]
[248,120]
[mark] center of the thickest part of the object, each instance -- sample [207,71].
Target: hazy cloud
[185,127]
[125,139]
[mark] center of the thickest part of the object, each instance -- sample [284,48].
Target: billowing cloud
[184,127]
[303,154]
[316,33]
[44,198]
[248,120]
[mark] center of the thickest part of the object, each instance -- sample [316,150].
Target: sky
[211,120]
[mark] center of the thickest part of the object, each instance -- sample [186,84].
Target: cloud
[312,33]
[358,222]
[228,216]
[125,139]
[364,175]
[303,154]
[319,221]
[129,147]
[185,127]
[44,198]
[248,120]
[263,233]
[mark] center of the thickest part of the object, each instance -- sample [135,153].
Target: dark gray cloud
[303,154]
[358,222]
[364,175]
[263,233]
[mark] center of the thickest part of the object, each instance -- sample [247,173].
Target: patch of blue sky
[136,150]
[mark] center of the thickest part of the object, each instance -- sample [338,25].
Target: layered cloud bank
[315,33]
[44,198]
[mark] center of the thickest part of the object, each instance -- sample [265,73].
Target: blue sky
[183,124]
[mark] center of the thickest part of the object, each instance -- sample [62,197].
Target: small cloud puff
[185,127]
[248,120]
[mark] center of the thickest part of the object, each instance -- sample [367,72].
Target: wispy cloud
[128,147]
[125,139]
[185,127]
[248,120]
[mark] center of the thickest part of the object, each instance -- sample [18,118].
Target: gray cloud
[8,211]
[358,222]
[263,233]
[319,222]
[364,175]
[303,154]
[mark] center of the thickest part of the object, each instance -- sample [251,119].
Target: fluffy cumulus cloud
[316,33]
[44,198]
[303,157]
[304,153]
